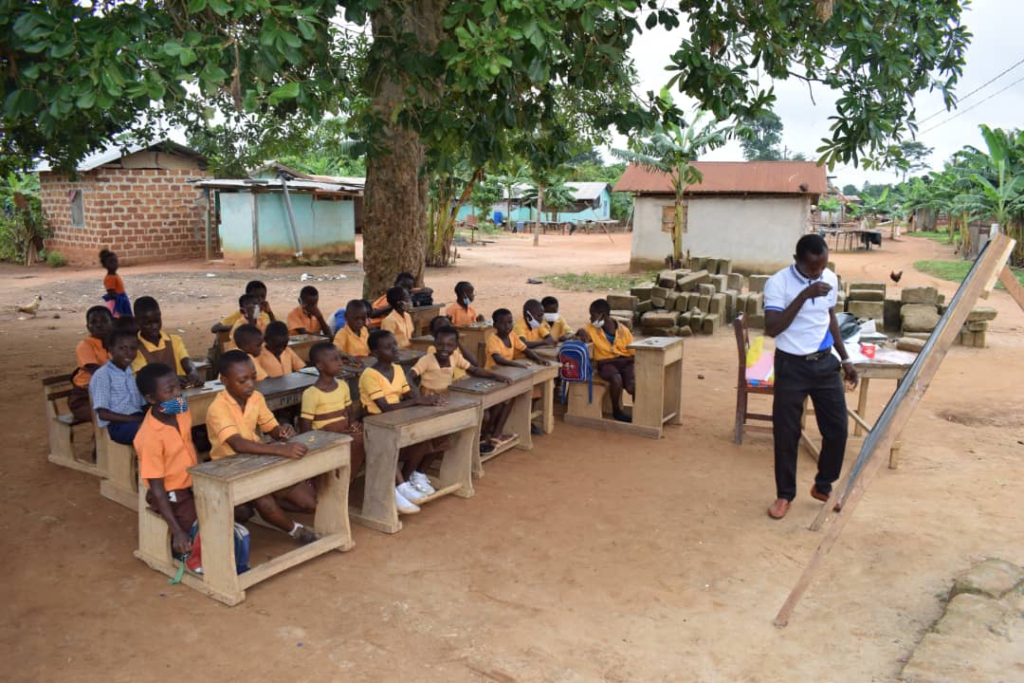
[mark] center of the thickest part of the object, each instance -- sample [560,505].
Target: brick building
[136,201]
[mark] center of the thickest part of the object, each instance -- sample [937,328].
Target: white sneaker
[410,493]
[403,504]
[421,483]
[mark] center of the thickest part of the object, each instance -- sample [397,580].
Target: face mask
[465,301]
[533,323]
[598,323]
[551,317]
[175,406]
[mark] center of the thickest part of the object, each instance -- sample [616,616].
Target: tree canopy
[762,138]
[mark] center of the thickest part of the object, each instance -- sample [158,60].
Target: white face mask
[598,323]
[532,322]
[551,317]
[256,313]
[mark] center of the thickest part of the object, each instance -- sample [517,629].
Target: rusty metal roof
[733,177]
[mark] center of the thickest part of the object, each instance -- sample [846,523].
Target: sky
[996,45]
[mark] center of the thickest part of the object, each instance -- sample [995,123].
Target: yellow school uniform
[401,326]
[349,342]
[460,315]
[226,418]
[459,362]
[496,346]
[374,385]
[318,402]
[603,349]
[147,352]
[433,378]
[261,321]
[298,319]
[560,328]
[288,363]
[521,329]
[261,373]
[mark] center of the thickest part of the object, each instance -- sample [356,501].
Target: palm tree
[672,149]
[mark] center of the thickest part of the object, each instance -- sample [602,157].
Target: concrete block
[644,306]
[682,302]
[909,344]
[980,326]
[667,279]
[642,291]
[867,310]
[891,317]
[709,325]
[711,265]
[920,295]
[942,308]
[686,331]
[701,262]
[925,336]
[724,266]
[919,317]
[659,292]
[622,302]
[735,281]
[981,340]
[695,321]
[684,319]
[706,290]
[756,321]
[690,282]
[730,305]
[966,338]
[755,304]
[865,295]
[980,313]
[741,302]
[657,302]
[869,286]
[704,303]
[942,300]
[717,304]
[670,300]
[757,282]
[720,282]
[625,315]
[658,319]
[627,322]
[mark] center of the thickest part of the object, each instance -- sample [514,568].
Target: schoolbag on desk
[574,366]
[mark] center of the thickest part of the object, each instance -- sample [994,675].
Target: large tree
[761,138]
[75,74]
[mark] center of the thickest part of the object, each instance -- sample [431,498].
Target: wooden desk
[385,434]
[421,317]
[474,338]
[422,343]
[220,485]
[302,343]
[544,377]
[489,393]
[406,358]
[200,398]
[659,384]
[285,391]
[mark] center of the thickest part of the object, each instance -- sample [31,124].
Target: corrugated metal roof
[278,166]
[582,192]
[274,184]
[733,177]
[114,151]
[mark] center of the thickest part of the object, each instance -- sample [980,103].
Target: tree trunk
[540,208]
[395,219]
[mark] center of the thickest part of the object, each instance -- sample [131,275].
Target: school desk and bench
[488,393]
[220,485]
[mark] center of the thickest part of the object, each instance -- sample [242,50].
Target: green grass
[597,282]
[940,237]
[956,271]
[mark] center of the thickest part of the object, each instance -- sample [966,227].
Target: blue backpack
[574,366]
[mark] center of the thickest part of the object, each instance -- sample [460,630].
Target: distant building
[136,201]
[591,201]
[750,212]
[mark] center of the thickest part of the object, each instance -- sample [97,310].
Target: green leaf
[307,30]
[171,48]
[291,39]
[652,21]
[61,51]
[187,56]
[86,100]
[196,6]
[288,91]
[221,7]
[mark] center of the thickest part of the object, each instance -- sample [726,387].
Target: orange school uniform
[288,363]
[435,379]
[261,372]
[349,342]
[166,452]
[521,329]
[113,282]
[89,351]
[374,385]
[604,349]
[460,315]
[401,326]
[226,418]
[298,319]
[496,346]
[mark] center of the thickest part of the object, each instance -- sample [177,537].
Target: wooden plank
[607,425]
[241,465]
[281,563]
[1013,286]
[397,418]
[901,406]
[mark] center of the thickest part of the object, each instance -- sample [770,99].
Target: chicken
[32,307]
[894,276]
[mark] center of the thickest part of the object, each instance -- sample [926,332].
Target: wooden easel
[990,266]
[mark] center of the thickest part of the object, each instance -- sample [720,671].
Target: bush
[55,259]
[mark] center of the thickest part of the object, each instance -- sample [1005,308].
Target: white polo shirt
[809,332]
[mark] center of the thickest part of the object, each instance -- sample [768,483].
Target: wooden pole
[1014,287]
[901,406]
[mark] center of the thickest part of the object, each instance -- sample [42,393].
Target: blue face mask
[466,301]
[175,406]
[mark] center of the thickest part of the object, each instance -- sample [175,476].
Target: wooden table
[544,378]
[659,384]
[474,337]
[285,391]
[220,485]
[406,358]
[421,317]
[302,343]
[387,433]
[489,393]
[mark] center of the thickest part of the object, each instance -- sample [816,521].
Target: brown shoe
[778,509]
[823,497]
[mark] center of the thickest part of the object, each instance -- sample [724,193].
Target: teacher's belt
[817,355]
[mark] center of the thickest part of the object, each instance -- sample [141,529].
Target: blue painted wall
[326,228]
[526,213]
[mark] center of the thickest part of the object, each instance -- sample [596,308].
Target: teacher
[799,312]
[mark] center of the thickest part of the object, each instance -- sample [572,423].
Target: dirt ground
[594,557]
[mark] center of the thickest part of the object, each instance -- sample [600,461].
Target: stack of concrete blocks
[752,303]
[866,301]
[919,311]
[975,330]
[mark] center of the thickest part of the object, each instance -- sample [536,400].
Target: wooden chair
[744,388]
[60,426]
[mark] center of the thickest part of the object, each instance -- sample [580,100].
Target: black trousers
[795,380]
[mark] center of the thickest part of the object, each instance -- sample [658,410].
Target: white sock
[295,529]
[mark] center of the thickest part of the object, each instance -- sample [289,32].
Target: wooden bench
[421,317]
[474,338]
[658,366]
[121,466]
[220,485]
[544,377]
[488,393]
[60,427]
[385,434]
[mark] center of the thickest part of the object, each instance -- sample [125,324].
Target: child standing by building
[461,312]
[612,354]
[306,318]
[90,355]
[398,322]
[114,393]
[156,346]
[276,358]
[327,405]
[117,299]
[235,420]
